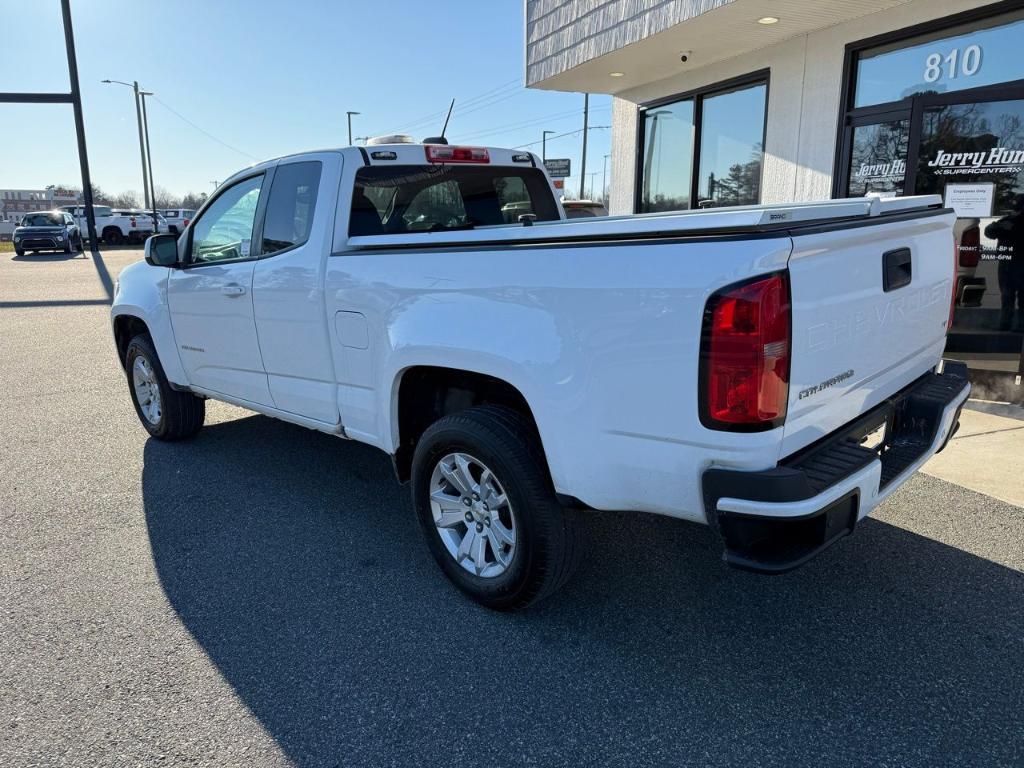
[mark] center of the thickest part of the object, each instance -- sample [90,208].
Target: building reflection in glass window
[878,159]
[732,147]
[667,157]
[973,155]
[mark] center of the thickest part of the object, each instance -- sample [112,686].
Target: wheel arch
[422,394]
[127,327]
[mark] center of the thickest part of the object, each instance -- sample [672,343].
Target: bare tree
[193,200]
[166,199]
[127,199]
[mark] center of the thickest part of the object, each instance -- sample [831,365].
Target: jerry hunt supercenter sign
[996,160]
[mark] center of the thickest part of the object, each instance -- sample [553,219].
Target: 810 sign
[957,63]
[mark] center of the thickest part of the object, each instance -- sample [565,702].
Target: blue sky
[270,78]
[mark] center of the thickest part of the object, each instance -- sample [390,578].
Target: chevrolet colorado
[774,372]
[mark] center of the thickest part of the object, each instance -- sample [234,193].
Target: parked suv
[47,231]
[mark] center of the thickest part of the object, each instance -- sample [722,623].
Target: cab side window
[224,233]
[290,207]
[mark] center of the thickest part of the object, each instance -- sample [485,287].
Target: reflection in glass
[979,148]
[731,147]
[667,157]
[878,159]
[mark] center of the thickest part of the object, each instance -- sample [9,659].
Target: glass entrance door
[970,150]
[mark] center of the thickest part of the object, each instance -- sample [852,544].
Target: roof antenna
[441,139]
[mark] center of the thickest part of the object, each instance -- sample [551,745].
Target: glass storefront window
[878,159]
[718,160]
[732,147]
[954,59]
[972,153]
[667,157]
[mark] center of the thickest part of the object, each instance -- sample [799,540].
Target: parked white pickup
[116,226]
[774,371]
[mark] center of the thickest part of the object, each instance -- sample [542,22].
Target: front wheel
[166,413]
[485,503]
[19,252]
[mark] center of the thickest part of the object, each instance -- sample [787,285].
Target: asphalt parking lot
[260,597]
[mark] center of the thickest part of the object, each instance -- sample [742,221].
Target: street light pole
[149,161]
[544,144]
[350,126]
[134,85]
[583,159]
[604,181]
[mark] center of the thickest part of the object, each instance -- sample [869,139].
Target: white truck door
[210,298]
[288,285]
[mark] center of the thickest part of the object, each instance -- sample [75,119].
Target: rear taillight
[133,221]
[745,356]
[185,223]
[442,153]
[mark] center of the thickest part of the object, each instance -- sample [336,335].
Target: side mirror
[162,250]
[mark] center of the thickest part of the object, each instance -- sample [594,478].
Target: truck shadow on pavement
[294,560]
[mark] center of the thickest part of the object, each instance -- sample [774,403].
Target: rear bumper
[777,519]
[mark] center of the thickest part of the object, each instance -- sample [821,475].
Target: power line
[433,116]
[509,127]
[203,131]
[562,135]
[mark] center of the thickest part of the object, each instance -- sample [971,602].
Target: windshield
[43,220]
[432,198]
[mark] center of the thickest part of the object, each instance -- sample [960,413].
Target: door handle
[897,269]
[232,289]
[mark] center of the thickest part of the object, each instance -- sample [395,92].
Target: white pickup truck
[774,371]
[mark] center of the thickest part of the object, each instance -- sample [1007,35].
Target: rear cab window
[432,198]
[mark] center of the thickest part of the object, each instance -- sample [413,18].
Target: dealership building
[736,102]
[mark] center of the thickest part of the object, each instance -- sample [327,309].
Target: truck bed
[744,220]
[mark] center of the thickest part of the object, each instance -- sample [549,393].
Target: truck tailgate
[870,308]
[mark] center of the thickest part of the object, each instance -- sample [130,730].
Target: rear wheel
[113,236]
[166,413]
[486,505]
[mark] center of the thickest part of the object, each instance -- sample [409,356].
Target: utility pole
[350,126]
[215,185]
[544,144]
[134,85]
[149,161]
[583,160]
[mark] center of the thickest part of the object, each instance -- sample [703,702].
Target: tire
[113,236]
[80,245]
[546,536]
[179,415]
[19,252]
[68,247]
